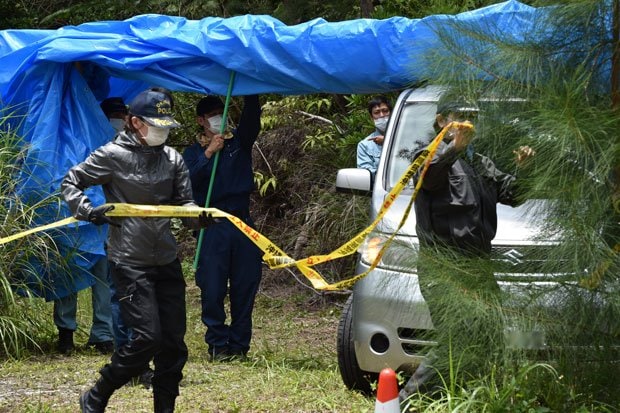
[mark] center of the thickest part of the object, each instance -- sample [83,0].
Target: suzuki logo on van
[513,256]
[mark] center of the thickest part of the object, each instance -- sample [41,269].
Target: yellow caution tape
[425,157]
[270,250]
[273,256]
[352,245]
[594,280]
[53,225]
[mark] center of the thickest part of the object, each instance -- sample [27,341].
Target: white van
[384,317]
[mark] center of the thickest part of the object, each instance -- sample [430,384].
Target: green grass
[292,367]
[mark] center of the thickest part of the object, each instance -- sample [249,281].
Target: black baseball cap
[113,105]
[155,108]
[208,104]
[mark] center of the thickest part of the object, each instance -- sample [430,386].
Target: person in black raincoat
[138,168]
[456,220]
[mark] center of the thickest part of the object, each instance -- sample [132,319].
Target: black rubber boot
[65,341]
[420,382]
[96,399]
[146,378]
[164,403]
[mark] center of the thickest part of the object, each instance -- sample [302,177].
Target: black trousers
[465,306]
[152,304]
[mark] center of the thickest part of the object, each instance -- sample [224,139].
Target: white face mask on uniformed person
[156,136]
[381,123]
[215,123]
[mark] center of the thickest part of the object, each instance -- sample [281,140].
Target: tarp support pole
[214,168]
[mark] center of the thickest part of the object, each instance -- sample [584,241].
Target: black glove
[204,219]
[97,215]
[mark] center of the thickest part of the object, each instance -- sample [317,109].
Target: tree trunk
[366,8]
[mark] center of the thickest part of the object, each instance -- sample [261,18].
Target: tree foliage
[52,14]
[568,117]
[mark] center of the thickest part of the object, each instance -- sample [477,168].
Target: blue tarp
[40,80]
[356,56]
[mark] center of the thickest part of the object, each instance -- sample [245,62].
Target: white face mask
[215,123]
[117,124]
[156,136]
[381,123]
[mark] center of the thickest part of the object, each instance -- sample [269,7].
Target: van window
[414,130]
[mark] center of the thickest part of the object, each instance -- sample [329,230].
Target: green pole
[215,161]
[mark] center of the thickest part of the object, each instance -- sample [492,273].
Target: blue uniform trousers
[229,263]
[65,309]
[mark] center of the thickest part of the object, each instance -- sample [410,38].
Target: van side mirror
[356,181]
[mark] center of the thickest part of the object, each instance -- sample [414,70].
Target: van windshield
[497,121]
[414,130]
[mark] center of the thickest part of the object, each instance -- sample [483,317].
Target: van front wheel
[352,376]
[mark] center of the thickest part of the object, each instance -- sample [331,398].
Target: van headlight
[401,253]
[371,247]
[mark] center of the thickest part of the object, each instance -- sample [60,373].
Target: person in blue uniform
[229,263]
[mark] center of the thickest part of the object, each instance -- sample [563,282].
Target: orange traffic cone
[387,393]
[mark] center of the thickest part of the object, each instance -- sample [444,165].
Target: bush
[20,321]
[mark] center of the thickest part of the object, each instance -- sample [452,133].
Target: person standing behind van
[456,220]
[369,148]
